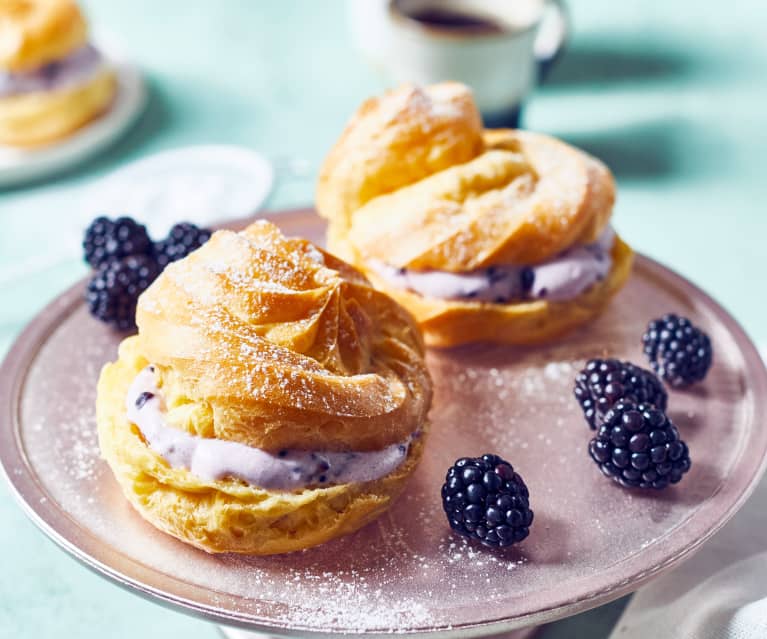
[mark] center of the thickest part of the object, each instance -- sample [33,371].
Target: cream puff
[484,235]
[52,80]
[271,400]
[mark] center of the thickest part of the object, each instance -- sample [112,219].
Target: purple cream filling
[561,278]
[72,70]
[212,459]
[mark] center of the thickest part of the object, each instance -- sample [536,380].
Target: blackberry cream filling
[562,278]
[212,459]
[76,68]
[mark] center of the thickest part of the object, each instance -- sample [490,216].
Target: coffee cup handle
[553,33]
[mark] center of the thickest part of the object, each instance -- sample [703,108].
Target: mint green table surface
[671,95]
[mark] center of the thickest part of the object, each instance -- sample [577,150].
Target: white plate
[23,165]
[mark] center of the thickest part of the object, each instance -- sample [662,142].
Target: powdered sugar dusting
[67,425]
[265,319]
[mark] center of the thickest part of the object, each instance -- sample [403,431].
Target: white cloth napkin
[721,593]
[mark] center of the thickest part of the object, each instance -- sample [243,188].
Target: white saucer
[205,185]
[200,184]
[23,165]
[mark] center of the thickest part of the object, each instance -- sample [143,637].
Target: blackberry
[183,238]
[113,292]
[604,381]
[526,279]
[678,351]
[639,447]
[106,240]
[484,499]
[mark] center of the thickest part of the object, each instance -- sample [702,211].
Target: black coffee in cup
[447,18]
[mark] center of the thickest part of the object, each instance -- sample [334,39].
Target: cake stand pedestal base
[237,633]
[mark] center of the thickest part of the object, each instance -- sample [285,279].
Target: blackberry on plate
[106,240]
[113,292]
[484,499]
[603,382]
[638,446]
[182,239]
[678,351]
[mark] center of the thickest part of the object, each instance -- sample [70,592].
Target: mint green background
[671,95]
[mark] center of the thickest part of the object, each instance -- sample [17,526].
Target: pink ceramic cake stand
[591,541]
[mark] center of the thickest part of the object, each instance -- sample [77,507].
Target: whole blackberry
[639,447]
[106,240]
[678,351]
[113,292]
[602,382]
[484,499]
[182,239]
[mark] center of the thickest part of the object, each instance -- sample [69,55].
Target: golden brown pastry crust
[267,341]
[34,33]
[417,183]
[40,118]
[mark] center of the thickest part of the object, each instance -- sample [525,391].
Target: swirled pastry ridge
[269,343]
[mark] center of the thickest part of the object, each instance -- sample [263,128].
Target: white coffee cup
[500,57]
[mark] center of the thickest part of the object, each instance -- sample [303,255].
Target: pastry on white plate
[52,79]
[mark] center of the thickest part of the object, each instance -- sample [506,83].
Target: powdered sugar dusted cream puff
[272,399]
[484,235]
[52,80]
